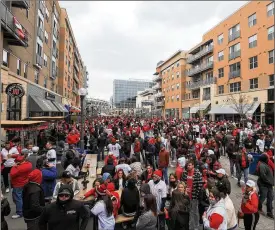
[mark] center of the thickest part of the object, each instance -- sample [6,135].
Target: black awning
[60,107]
[38,104]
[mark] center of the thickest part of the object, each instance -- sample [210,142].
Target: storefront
[43,103]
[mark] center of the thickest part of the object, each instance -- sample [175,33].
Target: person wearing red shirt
[137,148]
[249,206]
[19,177]
[73,138]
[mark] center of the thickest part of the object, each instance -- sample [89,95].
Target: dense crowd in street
[164,173]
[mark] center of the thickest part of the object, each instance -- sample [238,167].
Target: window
[178,74]
[220,39]
[234,51]
[39,50]
[178,97]
[221,72]
[270,9]
[36,77]
[252,41]
[172,88]
[45,60]
[178,86]
[40,23]
[45,83]
[253,62]
[18,66]
[5,58]
[195,94]
[235,87]
[220,56]
[47,15]
[252,20]
[178,64]
[253,83]
[25,70]
[221,89]
[172,98]
[271,56]
[172,76]
[209,60]
[46,37]
[235,70]
[271,80]
[234,32]
[13,108]
[270,33]
[27,13]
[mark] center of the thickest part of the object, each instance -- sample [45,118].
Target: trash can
[253,165]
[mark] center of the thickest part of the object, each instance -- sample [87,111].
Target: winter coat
[197,183]
[179,220]
[147,221]
[265,177]
[109,169]
[129,200]
[250,204]
[163,159]
[230,213]
[49,176]
[19,174]
[5,211]
[33,201]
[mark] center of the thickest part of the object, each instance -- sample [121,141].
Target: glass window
[36,77]
[178,97]
[178,86]
[235,87]
[25,70]
[220,56]
[18,66]
[252,41]
[46,37]
[252,20]
[39,50]
[234,48]
[14,108]
[253,62]
[221,72]
[178,74]
[271,56]
[270,9]
[270,33]
[220,39]
[45,60]
[235,67]
[271,80]
[45,83]
[209,60]
[5,58]
[221,89]
[253,83]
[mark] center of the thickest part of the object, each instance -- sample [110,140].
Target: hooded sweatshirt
[65,215]
[265,177]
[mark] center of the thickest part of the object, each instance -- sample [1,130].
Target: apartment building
[73,73]
[170,87]
[236,57]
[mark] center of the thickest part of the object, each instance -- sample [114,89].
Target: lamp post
[82,93]
[189,112]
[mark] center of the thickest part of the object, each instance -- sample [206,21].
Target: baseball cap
[64,191]
[222,171]
[250,183]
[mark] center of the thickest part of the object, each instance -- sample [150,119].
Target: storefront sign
[49,96]
[15,90]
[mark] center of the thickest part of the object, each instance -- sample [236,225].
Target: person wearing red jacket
[249,206]
[73,138]
[19,178]
[137,149]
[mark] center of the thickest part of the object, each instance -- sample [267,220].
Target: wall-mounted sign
[49,96]
[15,90]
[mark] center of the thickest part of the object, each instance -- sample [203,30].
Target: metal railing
[200,54]
[157,78]
[75,76]
[55,33]
[9,21]
[160,94]
[234,55]
[233,36]
[39,60]
[40,33]
[76,65]
[55,52]
[199,68]
[159,103]
[198,84]
[156,86]
[234,74]
[41,7]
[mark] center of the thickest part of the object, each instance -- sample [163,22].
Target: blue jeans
[242,171]
[165,175]
[100,152]
[18,200]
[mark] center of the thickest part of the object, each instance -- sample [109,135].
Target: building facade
[125,92]
[145,103]
[236,57]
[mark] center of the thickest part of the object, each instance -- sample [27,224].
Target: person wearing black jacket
[120,180]
[93,146]
[5,211]
[65,213]
[109,168]
[33,200]
[231,151]
[101,144]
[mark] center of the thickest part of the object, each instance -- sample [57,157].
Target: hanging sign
[15,90]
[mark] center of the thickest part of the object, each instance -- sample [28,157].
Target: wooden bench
[121,219]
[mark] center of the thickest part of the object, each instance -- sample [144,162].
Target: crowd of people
[164,173]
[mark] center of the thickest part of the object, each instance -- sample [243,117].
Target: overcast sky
[122,40]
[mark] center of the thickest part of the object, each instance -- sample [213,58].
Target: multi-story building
[236,57]
[72,71]
[95,107]
[29,50]
[125,92]
[170,78]
[145,103]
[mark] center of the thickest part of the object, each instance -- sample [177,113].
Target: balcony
[76,54]
[55,52]
[39,60]
[199,69]
[159,103]
[54,74]
[234,74]
[21,4]
[40,33]
[41,7]
[147,102]
[200,54]
[156,86]
[157,78]
[76,65]
[233,36]
[160,94]
[75,76]
[198,84]
[56,33]
[14,33]
[234,55]
[206,96]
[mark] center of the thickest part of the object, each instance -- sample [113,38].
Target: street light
[82,93]
[189,112]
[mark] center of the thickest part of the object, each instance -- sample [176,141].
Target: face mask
[173,184]
[212,202]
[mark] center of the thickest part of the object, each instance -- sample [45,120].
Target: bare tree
[242,104]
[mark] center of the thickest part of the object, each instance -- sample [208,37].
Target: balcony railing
[75,90]
[271,36]
[56,33]
[54,74]
[234,55]
[198,84]
[39,60]
[41,7]
[159,103]
[40,33]
[55,52]
[200,54]
[206,96]
[156,86]
[25,4]
[160,94]
[157,78]
[233,36]
[14,33]
[199,69]
[75,76]
[76,65]
[234,74]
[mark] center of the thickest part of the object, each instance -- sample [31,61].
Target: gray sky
[122,40]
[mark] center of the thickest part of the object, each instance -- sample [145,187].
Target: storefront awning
[204,106]
[229,109]
[194,109]
[60,107]
[38,104]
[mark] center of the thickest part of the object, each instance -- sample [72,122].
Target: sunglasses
[64,195]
